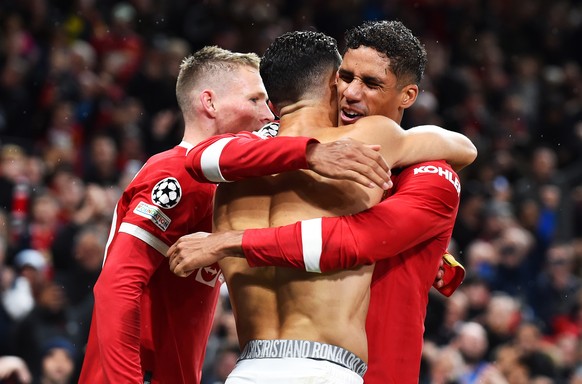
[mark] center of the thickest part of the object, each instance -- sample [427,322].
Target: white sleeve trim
[311,240]
[111,233]
[210,160]
[145,236]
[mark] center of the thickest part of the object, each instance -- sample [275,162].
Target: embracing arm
[232,157]
[430,142]
[245,155]
[421,210]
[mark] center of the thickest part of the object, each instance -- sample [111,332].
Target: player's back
[240,205]
[329,308]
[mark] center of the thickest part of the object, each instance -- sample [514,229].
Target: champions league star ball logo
[167,193]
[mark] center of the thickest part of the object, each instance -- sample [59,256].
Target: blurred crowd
[87,95]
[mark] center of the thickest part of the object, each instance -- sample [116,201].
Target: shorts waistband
[303,349]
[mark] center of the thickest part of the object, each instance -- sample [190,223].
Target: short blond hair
[206,65]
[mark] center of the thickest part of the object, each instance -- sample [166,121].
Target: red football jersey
[149,324]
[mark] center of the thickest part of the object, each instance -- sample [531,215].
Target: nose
[265,114]
[353,90]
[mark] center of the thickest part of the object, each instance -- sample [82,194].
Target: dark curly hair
[296,63]
[391,38]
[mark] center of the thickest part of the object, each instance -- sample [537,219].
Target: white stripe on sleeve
[111,234]
[312,244]
[210,160]
[145,236]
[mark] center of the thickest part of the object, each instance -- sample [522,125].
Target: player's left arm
[233,157]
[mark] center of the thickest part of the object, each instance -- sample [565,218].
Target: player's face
[244,106]
[366,86]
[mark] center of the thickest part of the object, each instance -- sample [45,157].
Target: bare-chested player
[326,312]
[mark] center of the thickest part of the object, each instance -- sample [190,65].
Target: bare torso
[284,303]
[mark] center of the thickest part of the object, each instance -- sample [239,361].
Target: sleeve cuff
[453,277]
[280,247]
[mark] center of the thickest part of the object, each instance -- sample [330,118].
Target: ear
[409,95]
[207,97]
[332,81]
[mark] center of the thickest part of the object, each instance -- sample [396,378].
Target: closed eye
[346,76]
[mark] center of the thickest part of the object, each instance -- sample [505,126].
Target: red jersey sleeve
[117,309]
[425,196]
[160,204]
[232,157]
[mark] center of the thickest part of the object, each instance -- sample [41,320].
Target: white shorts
[296,362]
[291,371]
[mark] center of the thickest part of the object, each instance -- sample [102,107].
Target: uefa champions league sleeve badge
[167,193]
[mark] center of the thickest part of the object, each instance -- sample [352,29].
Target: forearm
[232,158]
[430,142]
[118,333]
[118,295]
[333,243]
[226,244]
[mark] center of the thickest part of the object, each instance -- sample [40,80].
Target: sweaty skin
[330,307]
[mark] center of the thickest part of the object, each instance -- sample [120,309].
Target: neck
[299,119]
[195,132]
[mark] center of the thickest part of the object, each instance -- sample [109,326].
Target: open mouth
[349,116]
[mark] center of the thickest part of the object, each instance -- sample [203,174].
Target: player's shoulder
[375,122]
[431,167]
[434,163]
[375,119]
[167,164]
[168,185]
[176,153]
[433,173]
[376,127]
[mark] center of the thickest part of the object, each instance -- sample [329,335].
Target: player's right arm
[421,143]
[232,157]
[436,143]
[208,250]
